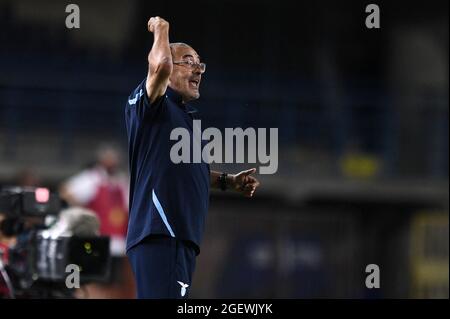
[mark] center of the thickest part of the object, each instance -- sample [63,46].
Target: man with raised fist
[168,201]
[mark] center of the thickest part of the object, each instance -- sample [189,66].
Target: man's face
[185,79]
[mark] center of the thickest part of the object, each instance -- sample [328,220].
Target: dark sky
[282,35]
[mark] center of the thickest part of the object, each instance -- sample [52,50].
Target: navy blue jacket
[165,198]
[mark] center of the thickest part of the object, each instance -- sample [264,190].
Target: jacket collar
[178,99]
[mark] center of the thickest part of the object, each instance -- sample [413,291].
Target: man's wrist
[226,181]
[160,29]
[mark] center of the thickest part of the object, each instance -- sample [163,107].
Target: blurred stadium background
[362,117]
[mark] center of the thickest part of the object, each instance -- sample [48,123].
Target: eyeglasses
[192,65]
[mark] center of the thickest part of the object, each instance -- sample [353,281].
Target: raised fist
[156,23]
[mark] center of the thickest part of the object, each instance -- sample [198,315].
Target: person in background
[104,189]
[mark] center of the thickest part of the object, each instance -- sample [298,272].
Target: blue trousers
[163,267]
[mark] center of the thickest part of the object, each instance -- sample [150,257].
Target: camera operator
[13,232]
[40,239]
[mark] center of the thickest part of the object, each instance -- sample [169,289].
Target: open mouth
[194,83]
